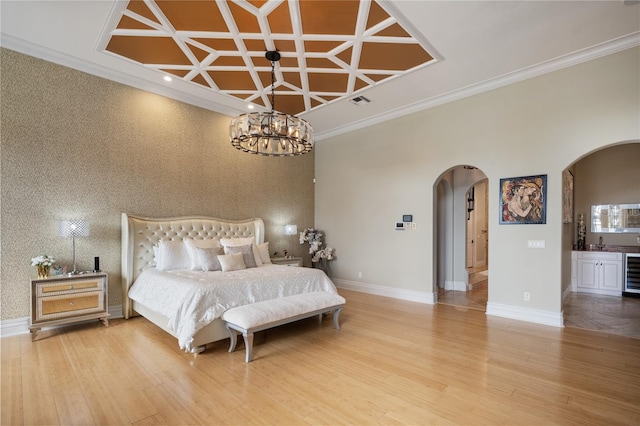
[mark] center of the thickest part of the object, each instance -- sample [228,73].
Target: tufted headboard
[140,234]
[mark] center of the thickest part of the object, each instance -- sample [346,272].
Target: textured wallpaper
[76,146]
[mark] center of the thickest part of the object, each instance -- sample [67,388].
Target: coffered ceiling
[402,55]
[329,49]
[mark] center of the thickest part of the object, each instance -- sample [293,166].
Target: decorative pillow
[192,247]
[234,242]
[247,254]
[263,250]
[208,258]
[172,255]
[231,262]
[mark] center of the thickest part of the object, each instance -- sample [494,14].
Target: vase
[43,271]
[323,264]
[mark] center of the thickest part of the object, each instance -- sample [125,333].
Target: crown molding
[575,58]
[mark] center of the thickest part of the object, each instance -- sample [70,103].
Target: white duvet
[193,299]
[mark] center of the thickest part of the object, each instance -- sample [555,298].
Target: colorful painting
[523,200]
[567,197]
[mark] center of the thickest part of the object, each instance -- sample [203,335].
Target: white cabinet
[597,272]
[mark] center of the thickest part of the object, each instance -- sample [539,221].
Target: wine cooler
[631,274]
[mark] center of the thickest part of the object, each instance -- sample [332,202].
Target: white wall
[368,178]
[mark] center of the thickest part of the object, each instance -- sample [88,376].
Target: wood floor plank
[392,362]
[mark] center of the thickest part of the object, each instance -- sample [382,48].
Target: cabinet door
[587,273]
[611,276]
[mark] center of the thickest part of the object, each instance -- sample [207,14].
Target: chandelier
[271,133]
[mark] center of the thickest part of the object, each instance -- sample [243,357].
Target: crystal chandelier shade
[272,133]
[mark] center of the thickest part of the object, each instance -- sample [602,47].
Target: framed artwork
[523,200]
[567,197]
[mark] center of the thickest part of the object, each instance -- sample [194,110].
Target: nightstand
[287,261]
[68,299]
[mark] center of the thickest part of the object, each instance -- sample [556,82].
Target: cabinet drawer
[62,287]
[63,306]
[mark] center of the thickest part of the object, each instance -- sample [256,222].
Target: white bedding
[193,299]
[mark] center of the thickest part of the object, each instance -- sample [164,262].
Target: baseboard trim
[554,319]
[395,293]
[455,285]
[13,327]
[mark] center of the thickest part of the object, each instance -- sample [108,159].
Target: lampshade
[290,230]
[73,228]
[270,133]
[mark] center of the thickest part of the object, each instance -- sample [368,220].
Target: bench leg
[336,318]
[248,344]
[232,339]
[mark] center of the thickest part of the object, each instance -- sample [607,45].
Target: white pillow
[209,258]
[235,242]
[172,255]
[247,254]
[231,262]
[192,250]
[263,249]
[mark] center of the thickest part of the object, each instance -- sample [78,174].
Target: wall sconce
[73,229]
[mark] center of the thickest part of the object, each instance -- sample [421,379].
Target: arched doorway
[609,175]
[461,251]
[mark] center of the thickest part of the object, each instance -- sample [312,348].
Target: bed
[187,303]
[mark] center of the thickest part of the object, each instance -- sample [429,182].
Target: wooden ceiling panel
[232,80]
[329,16]
[322,82]
[290,104]
[392,56]
[232,53]
[246,22]
[280,20]
[219,43]
[140,7]
[132,24]
[148,50]
[193,15]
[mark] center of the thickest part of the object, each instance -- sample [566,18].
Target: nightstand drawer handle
[70,303]
[70,287]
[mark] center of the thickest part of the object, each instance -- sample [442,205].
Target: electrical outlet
[359,274]
[527,296]
[638,239]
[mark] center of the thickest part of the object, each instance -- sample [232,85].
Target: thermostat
[407,218]
[400,226]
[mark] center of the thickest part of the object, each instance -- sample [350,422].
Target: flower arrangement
[43,264]
[314,238]
[325,253]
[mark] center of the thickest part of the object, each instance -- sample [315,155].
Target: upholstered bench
[249,319]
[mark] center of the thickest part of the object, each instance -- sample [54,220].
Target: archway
[461,237]
[608,175]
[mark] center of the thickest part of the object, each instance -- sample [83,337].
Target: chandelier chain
[273,86]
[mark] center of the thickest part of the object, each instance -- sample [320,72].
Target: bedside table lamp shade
[290,230]
[72,229]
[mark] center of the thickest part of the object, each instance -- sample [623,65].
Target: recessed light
[167,78]
[250,106]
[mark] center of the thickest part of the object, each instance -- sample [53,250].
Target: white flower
[43,260]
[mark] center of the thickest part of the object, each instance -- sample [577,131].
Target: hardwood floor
[393,362]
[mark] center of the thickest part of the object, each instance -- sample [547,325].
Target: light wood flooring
[393,362]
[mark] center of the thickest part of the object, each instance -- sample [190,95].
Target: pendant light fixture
[272,133]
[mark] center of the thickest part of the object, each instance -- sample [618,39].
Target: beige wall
[609,176]
[368,178]
[78,146]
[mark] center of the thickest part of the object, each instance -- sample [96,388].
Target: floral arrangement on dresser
[314,238]
[43,264]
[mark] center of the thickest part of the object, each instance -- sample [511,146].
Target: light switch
[536,244]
